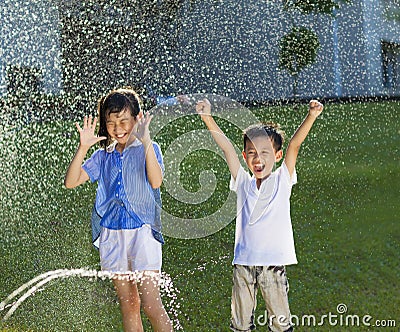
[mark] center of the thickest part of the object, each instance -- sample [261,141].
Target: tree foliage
[298,49]
[314,6]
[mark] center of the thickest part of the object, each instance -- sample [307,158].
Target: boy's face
[260,156]
[120,126]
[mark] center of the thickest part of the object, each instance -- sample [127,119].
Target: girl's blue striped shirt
[125,198]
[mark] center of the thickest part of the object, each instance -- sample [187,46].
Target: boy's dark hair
[271,129]
[114,102]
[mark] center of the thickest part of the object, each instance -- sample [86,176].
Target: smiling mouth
[120,136]
[259,168]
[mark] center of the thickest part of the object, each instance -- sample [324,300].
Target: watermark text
[338,318]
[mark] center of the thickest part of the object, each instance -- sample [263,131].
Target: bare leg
[129,300]
[152,306]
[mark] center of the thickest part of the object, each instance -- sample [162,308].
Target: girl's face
[120,126]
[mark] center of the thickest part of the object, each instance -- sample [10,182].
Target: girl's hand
[315,108]
[141,128]
[203,108]
[86,134]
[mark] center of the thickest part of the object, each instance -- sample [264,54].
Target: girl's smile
[120,136]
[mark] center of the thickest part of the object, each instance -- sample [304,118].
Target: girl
[129,170]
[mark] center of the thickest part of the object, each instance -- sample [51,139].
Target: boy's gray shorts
[274,286]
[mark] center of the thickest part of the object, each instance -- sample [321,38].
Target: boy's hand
[315,108]
[86,134]
[203,108]
[141,129]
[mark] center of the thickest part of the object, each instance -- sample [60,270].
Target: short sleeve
[241,177]
[285,173]
[159,156]
[92,166]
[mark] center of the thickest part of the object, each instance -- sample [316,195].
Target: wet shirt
[264,233]
[125,198]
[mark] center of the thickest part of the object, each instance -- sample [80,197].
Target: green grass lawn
[344,211]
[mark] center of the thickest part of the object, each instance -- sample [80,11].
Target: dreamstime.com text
[340,318]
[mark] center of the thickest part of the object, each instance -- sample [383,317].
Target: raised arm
[141,132]
[76,175]
[203,108]
[315,109]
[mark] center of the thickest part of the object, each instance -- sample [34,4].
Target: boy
[264,242]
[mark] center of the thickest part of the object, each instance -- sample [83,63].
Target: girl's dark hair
[271,129]
[116,101]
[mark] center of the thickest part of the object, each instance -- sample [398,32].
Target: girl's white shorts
[129,250]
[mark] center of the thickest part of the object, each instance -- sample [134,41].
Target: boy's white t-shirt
[264,234]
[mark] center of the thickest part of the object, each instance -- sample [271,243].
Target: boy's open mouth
[259,168]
